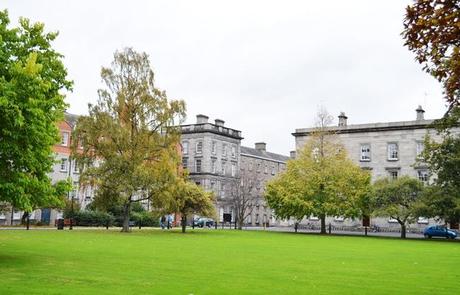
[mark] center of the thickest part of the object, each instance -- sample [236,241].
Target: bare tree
[244,195]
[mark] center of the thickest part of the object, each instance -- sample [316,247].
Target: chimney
[201,119]
[219,122]
[293,154]
[261,146]
[342,119]
[420,113]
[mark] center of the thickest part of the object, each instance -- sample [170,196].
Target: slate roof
[71,118]
[265,155]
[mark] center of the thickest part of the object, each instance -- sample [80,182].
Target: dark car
[202,222]
[439,231]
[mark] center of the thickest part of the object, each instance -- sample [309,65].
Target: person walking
[162,222]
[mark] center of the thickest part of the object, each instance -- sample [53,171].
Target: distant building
[264,166]
[385,149]
[213,155]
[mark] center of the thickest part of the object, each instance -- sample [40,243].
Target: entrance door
[46,216]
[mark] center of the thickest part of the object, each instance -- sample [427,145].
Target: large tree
[32,82]
[399,198]
[128,144]
[432,32]
[321,181]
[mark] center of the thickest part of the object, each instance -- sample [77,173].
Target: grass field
[222,262]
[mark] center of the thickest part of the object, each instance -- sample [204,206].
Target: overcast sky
[264,67]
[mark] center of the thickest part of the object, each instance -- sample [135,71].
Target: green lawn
[222,262]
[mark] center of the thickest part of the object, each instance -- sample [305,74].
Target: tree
[399,199]
[128,144]
[244,195]
[432,32]
[189,198]
[442,199]
[321,181]
[32,78]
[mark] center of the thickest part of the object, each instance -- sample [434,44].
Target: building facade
[214,157]
[386,150]
[261,166]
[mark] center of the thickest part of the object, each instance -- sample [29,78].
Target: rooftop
[263,154]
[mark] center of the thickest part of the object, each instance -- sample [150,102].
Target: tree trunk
[403,230]
[183,222]
[240,223]
[126,209]
[28,221]
[323,223]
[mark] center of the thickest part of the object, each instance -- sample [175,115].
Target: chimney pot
[201,119]
[420,113]
[261,146]
[293,154]
[219,122]
[342,119]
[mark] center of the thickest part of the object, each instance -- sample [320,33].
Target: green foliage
[443,159]
[146,218]
[321,181]
[130,138]
[432,32]
[32,77]
[399,198]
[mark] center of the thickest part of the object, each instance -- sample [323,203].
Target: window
[185,162]
[423,176]
[223,168]
[199,147]
[233,151]
[198,165]
[392,151]
[75,167]
[63,165]
[313,218]
[65,138]
[365,152]
[224,150]
[222,190]
[213,166]
[266,169]
[393,174]
[233,170]
[339,218]
[214,147]
[258,167]
[213,185]
[185,147]
[419,149]
[273,170]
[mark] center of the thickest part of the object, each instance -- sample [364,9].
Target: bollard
[365,230]
[295,226]
[330,228]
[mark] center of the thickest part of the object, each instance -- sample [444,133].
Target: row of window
[392,151]
[199,167]
[422,174]
[64,166]
[259,168]
[199,148]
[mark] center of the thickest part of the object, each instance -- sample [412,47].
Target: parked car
[202,222]
[439,231]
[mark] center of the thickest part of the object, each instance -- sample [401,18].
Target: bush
[145,218]
[93,218]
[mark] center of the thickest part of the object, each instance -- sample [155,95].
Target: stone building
[214,157]
[263,166]
[385,149]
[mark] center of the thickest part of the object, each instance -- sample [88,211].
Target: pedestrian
[162,222]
